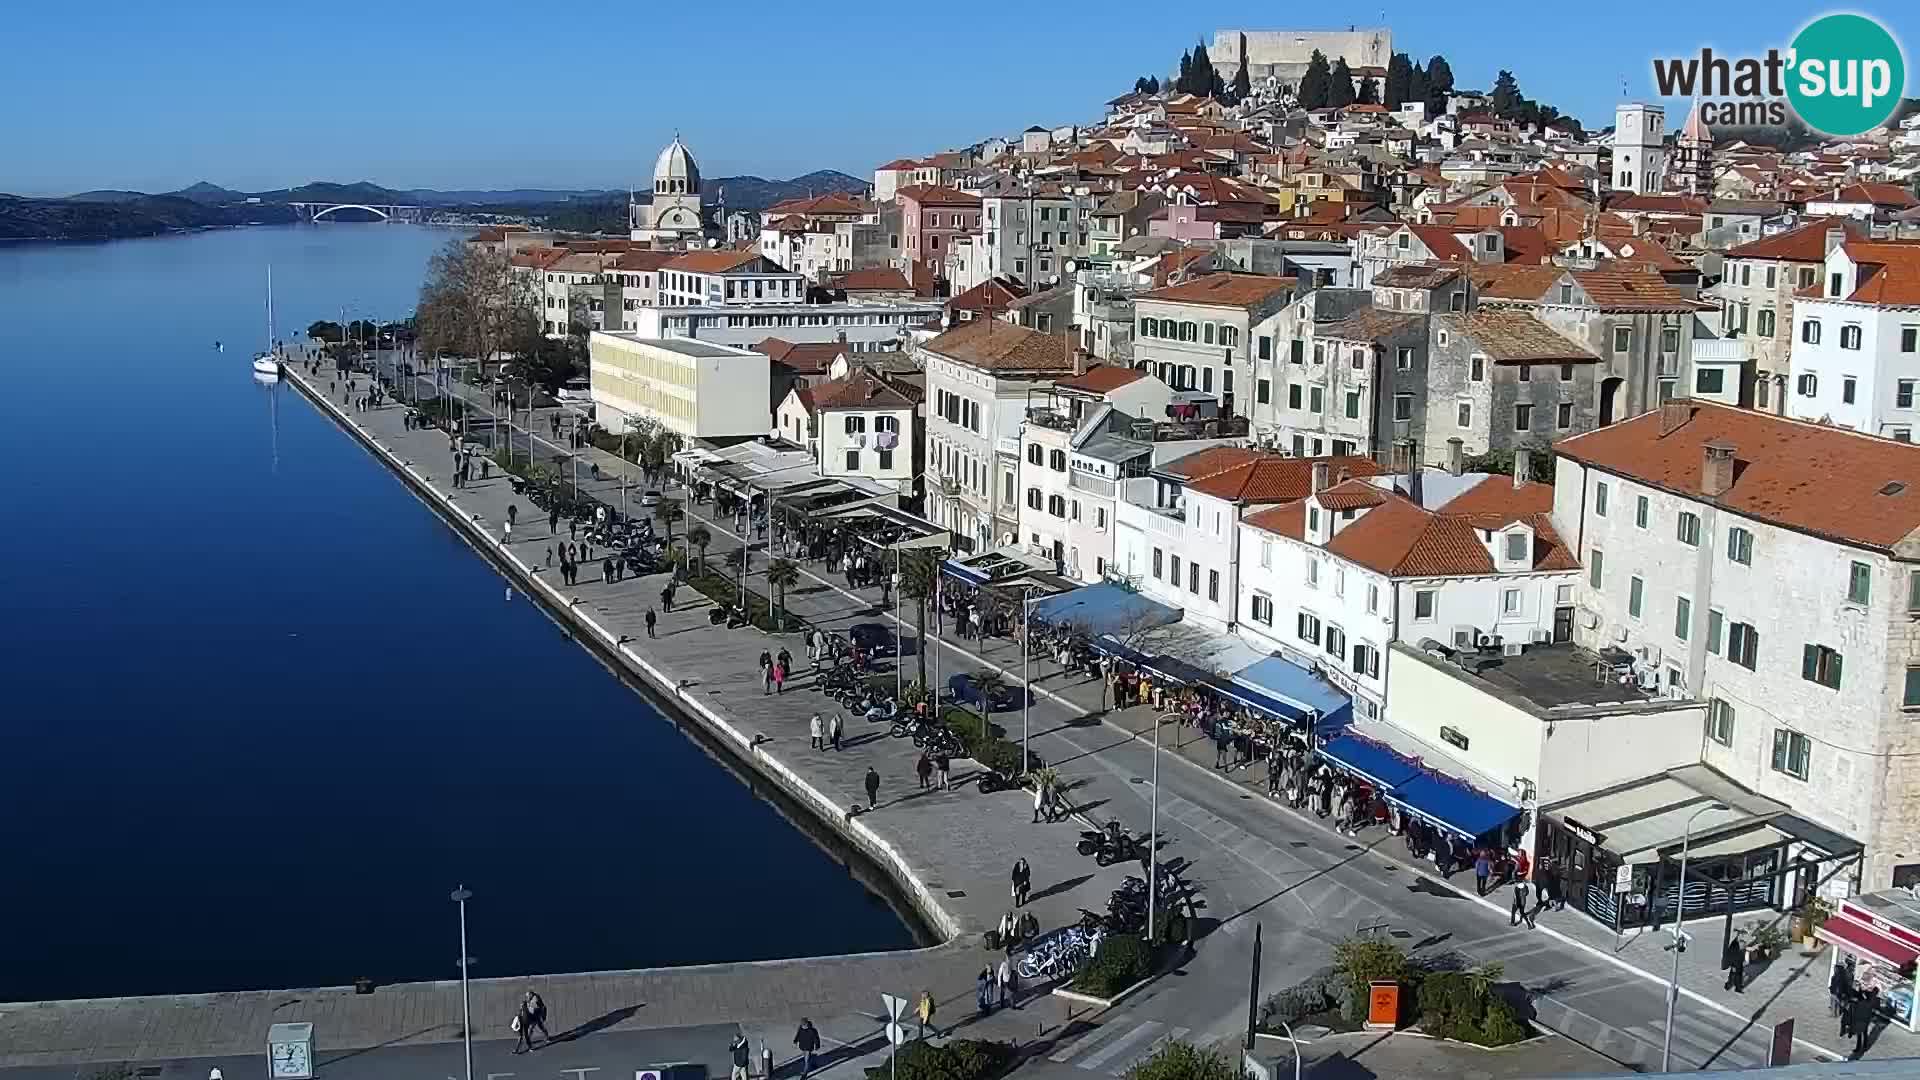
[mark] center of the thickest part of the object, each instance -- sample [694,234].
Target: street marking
[1119,1045]
[1064,1053]
[1152,1048]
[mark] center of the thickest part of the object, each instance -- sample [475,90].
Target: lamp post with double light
[1679,935]
[460,896]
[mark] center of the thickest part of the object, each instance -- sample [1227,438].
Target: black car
[965,691]
[875,639]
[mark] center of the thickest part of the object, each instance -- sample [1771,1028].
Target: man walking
[1861,1011]
[924,769]
[835,727]
[1222,742]
[813,732]
[536,1009]
[1522,904]
[873,788]
[1482,870]
[1733,957]
[943,765]
[1004,976]
[808,1040]
[737,1051]
[651,619]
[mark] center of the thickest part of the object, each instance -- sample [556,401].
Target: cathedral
[674,214]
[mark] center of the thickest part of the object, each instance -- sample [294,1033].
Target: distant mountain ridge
[741,193]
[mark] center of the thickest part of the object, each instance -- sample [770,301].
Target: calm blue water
[258,719]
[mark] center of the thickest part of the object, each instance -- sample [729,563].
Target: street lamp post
[1679,936]
[1153,830]
[1026,677]
[460,896]
[899,656]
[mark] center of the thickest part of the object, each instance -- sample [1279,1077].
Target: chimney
[1522,466]
[1456,455]
[1716,472]
[1674,414]
[1345,474]
[1319,476]
[1836,236]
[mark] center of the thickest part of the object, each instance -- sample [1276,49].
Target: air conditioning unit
[1650,653]
[859,439]
[1540,637]
[1486,640]
[1590,619]
[1512,648]
[1620,635]
[1464,637]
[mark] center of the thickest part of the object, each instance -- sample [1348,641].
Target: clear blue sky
[483,94]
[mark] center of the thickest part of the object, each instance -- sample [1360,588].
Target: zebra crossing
[1114,1047]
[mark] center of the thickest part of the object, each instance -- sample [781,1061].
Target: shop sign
[1580,831]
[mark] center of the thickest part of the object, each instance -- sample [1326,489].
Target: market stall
[1877,936]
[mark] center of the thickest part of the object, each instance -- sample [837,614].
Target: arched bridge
[314,211]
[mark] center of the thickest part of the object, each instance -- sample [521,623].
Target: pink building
[930,217]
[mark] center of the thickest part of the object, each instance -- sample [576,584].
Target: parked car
[876,639]
[965,691]
[650,499]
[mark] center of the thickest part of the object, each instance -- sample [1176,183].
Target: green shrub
[1124,959]
[1184,1061]
[956,1059]
[1361,961]
[1315,995]
[1500,1025]
[1462,1005]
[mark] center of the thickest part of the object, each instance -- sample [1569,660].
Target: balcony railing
[1050,419]
[1087,482]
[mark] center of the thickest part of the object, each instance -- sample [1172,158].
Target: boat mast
[271,344]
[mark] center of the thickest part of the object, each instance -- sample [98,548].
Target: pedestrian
[1865,1004]
[1004,977]
[1022,881]
[536,1016]
[549,562]
[553,520]
[522,1025]
[1522,904]
[983,991]
[924,769]
[779,676]
[813,732]
[944,766]
[873,788]
[651,619]
[1733,957]
[834,735]
[573,530]
[924,1009]
[1482,870]
[1039,799]
[1273,774]
[506,532]
[738,1052]
[1222,743]
[1839,989]
[513,512]
[808,1040]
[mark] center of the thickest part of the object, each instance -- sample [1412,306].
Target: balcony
[1093,485]
[1050,419]
[1715,351]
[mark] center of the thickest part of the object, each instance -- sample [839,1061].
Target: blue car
[964,690]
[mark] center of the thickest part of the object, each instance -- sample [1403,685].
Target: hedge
[955,1059]
[1123,959]
[1184,1061]
[985,743]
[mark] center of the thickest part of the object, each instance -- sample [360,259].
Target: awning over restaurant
[1293,691]
[1648,818]
[1451,804]
[1105,609]
[1175,670]
[1384,768]
[1108,646]
[1863,939]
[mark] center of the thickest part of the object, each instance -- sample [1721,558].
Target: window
[1293,396]
[1403,406]
[1366,661]
[1720,722]
[1510,602]
[1519,546]
[1260,607]
[1308,628]
[1903,394]
[1740,546]
[886,458]
[1833,284]
[1563,414]
[1640,511]
[1763,324]
[1266,346]
[1709,380]
[1316,399]
[1057,506]
[1807,384]
[1743,645]
[1689,528]
[1600,499]
[1337,642]
[1262,390]
[1526,373]
[1622,338]
[1810,331]
[1636,594]
[1913,592]
[1193,578]
[1716,629]
[1213,585]
[1670,335]
[1034,454]
[1595,559]
[1465,414]
[1173,570]
[1266,554]
[1403,361]
[1848,387]
[1859,583]
[1478,371]
[1522,417]
[1339,581]
[1682,618]
[1313,569]
[1425,601]
[1909,338]
[1353,405]
[1791,753]
[1156,562]
[1373,598]
[1057,460]
[853,461]
[1806,276]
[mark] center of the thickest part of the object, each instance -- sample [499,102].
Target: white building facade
[1856,347]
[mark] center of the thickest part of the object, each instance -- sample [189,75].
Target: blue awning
[1179,671]
[1452,805]
[1105,608]
[1107,646]
[1262,703]
[1288,682]
[1376,763]
[961,573]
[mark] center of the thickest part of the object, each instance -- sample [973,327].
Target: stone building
[1502,380]
[1284,54]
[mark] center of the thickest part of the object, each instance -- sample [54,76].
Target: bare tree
[473,302]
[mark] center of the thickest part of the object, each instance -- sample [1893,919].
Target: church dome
[675,171]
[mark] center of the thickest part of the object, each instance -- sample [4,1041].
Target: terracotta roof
[1822,480]
[1420,275]
[1187,260]
[1223,290]
[1803,243]
[1613,287]
[804,395]
[1102,379]
[899,163]
[872,279]
[999,346]
[1888,195]
[643,260]
[711,262]
[1288,520]
[865,389]
[1513,281]
[1891,274]
[1368,324]
[1515,337]
[1656,204]
[936,195]
[1000,291]
[1213,459]
[1351,495]
[833,203]
[807,357]
[1270,478]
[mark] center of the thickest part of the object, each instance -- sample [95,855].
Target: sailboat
[268,361]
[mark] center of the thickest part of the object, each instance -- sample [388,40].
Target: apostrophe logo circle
[1847,75]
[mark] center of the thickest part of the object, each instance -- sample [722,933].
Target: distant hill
[607,211]
[211,194]
[108,195]
[758,193]
[141,215]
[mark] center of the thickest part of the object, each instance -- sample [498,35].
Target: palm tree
[698,538]
[781,573]
[987,683]
[919,574]
[669,512]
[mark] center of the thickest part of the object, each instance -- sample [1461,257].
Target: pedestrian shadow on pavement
[598,1023]
[397,1039]
[1059,887]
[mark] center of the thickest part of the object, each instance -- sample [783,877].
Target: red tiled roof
[711,262]
[643,260]
[1826,481]
[807,357]
[999,346]
[865,389]
[997,292]
[874,279]
[936,195]
[1102,379]
[1270,478]
[1803,243]
[1207,462]
[1891,274]
[1613,287]
[1223,290]
[1351,495]
[1888,195]
[1512,336]
[1419,275]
